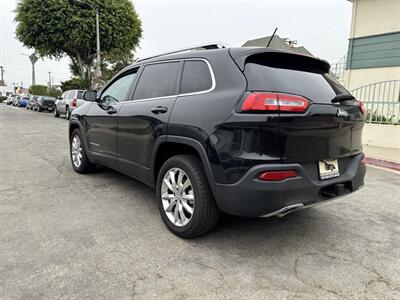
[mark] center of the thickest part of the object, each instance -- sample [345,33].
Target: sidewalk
[382,157]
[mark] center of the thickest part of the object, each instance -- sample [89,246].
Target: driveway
[65,235]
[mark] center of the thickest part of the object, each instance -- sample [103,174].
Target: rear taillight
[275,102]
[277,175]
[74,103]
[361,107]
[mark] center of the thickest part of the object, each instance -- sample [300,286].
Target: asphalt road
[70,236]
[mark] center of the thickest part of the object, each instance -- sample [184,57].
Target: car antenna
[272,36]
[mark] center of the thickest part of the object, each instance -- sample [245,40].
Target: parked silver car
[15,100]
[32,102]
[10,99]
[68,101]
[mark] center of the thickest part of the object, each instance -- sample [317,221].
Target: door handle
[111,110]
[159,110]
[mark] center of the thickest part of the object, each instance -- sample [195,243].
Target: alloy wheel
[76,151]
[177,197]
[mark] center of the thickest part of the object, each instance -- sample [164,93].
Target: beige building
[374,44]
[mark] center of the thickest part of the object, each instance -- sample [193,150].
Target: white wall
[372,17]
[5,89]
[387,136]
[359,77]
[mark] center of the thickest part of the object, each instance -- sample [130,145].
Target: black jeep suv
[247,131]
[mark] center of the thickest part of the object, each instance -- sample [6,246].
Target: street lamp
[97,73]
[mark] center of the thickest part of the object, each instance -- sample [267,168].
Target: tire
[205,212]
[56,113]
[85,166]
[67,113]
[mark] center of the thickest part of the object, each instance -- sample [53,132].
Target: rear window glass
[292,77]
[79,95]
[196,77]
[158,80]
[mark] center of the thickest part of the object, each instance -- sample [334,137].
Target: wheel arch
[166,147]
[72,127]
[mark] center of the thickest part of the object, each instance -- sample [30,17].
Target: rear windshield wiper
[342,97]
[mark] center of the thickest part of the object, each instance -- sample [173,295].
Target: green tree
[40,90]
[64,27]
[53,92]
[75,84]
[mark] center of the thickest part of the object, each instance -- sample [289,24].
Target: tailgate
[323,130]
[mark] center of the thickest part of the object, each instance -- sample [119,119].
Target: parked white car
[68,101]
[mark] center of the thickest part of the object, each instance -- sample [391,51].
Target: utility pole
[97,73]
[2,72]
[98,70]
[49,80]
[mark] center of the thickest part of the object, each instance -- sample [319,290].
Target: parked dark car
[32,102]
[253,132]
[44,103]
[23,101]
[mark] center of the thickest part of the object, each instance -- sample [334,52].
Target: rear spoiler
[244,54]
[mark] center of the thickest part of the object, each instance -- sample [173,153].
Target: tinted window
[118,91]
[158,80]
[79,95]
[293,77]
[196,77]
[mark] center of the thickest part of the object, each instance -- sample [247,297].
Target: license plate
[328,169]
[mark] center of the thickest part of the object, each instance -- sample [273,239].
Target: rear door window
[158,80]
[196,77]
[79,95]
[292,74]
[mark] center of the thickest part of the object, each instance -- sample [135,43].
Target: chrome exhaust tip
[284,211]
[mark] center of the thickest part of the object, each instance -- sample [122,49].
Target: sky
[322,27]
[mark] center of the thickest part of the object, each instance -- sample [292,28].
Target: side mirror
[59,98]
[90,95]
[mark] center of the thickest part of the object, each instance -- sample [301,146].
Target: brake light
[74,103]
[361,106]
[277,175]
[275,102]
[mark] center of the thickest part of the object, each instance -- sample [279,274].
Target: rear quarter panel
[201,116]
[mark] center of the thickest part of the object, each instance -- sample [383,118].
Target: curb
[383,163]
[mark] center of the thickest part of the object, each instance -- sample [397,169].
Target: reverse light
[277,175]
[275,102]
[74,103]
[361,106]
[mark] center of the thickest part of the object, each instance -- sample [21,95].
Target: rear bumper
[46,107]
[252,197]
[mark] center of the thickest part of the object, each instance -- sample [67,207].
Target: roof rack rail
[192,48]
